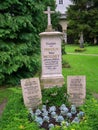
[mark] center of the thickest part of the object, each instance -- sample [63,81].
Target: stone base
[50,82]
[49,29]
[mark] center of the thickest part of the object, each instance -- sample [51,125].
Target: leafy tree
[83,18]
[21,21]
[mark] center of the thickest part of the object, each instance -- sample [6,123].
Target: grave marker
[76,88]
[31,92]
[51,56]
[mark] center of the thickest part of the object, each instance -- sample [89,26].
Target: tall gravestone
[51,56]
[76,89]
[31,92]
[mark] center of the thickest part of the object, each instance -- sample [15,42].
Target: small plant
[65,64]
[63,49]
[80,49]
[55,96]
[91,110]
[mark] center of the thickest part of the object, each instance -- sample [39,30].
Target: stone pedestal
[51,59]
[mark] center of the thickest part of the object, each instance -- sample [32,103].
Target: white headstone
[51,59]
[51,56]
[31,92]
[76,88]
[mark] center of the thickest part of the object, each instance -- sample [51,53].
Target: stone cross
[49,12]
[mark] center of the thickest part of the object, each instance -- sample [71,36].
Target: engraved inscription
[31,92]
[76,89]
[51,58]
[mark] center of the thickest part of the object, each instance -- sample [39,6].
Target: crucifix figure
[49,12]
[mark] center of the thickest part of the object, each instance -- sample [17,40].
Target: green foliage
[83,17]
[65,64]
[89,121]
[91,110]
[21,21]
[63,48]
[15,114]
[80,49]
[4,93]
[81,126]
[55,96]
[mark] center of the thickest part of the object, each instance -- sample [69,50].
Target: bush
[21,21]
[91,110]
[65,64]
[63,48]
[19,41]
[80,49]
[55,96]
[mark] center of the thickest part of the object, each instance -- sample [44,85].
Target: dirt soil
[2,106]
[95,95]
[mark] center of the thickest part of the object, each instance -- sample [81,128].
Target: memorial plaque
[76,88]
[31,92]
[51,57]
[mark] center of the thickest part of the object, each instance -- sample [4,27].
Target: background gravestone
[76,88]
[31,92]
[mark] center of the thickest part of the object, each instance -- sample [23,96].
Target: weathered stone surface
[49,26]
[31,92]
[51,59]
[50,82]
[76,88]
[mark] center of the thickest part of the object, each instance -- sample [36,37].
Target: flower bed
[49,117]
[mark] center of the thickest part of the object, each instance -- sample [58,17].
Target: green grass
[15,115]
[4,94]
[83,65]
[89,49]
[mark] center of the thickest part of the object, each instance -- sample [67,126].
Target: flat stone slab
[76,89]
[31,92]
[50,82]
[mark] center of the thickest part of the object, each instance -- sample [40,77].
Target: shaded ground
[2,106]
[95,95]
[4,92]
